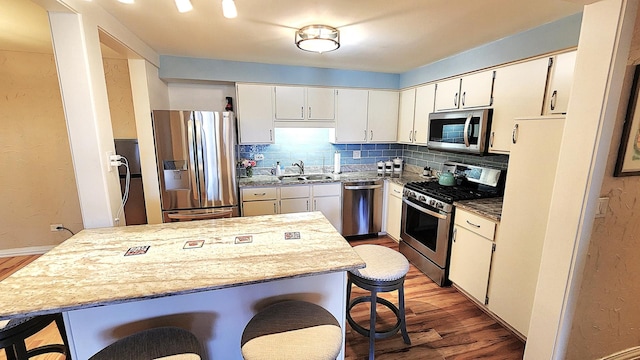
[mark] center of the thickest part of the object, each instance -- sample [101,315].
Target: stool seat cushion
[157,343]
[382,263]
[292,330]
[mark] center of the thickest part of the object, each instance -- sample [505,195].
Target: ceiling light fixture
[318,38]
[126,1]
[229,9]
[184,5]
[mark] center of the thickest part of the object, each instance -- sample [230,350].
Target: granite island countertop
[90,269]
[490,208]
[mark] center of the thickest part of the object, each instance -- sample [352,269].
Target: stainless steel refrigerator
[196,162]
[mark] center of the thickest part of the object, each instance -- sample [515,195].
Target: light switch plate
[603,205]
[356,154]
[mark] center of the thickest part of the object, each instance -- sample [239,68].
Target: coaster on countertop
[137,250]
[292,235]
[193,244]
[244,239]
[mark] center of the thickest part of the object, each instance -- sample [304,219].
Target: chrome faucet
[300,165]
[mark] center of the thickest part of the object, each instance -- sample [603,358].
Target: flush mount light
[184,5]
[229,9]
[318,38]
[126,1]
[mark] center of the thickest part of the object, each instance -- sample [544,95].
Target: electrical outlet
[56,227]
[356,154]
[258,157]
[109,166]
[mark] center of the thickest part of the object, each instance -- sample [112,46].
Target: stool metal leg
[372,323]
[403,321]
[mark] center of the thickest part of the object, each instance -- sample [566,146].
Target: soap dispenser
[278,169]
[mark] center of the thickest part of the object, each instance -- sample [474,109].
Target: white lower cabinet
[259,201]
[471,252]
[394,210]
[326,198]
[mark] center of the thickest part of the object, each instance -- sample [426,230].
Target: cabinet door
[405,117]
[448,95]
[289,102]
[518,91]
[331,208]
[560,82]
[288,206]
[382,116]
[527,197]
[255,114]
[476,90]
[425,98]
[321,104]
[470,262]
[394,211]
[253,208]
[351,116]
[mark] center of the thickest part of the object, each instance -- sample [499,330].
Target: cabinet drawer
[294,192]
[395,190]
[258,193]
[333,189]
[477,224]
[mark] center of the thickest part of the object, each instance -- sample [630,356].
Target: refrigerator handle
[195,193]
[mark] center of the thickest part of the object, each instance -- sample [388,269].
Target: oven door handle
[362,187]
[424,210]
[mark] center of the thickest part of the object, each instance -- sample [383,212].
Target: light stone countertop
[270,180]
[490,208]
[90,268]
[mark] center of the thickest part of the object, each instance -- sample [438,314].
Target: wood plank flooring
[442,323]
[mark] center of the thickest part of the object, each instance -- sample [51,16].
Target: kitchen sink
[298,178]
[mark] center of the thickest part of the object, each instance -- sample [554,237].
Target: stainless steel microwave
[465,131]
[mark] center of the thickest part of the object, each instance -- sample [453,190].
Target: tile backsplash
[312,146]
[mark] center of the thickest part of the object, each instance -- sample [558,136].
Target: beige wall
[37,177]
[607,315]
[123,118]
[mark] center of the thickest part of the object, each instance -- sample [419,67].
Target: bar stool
[384,272]
[13,335]
[156,343]
[292,330]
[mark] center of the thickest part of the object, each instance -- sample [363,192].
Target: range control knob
[432,202]
[422,198]
[439,205]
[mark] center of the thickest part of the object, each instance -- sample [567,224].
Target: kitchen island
[209,277]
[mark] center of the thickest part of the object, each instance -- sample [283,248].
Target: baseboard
[33,250]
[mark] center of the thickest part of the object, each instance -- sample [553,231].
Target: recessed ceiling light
[184,5]
[229,9]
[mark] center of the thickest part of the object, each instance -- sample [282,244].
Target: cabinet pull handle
[307,205]
[455,100]
[302,112]
[455,232]
[309,112]
[472,224]
[410,133]
[514,134]
[270,135]
[415,137]
[464,94]
[554,98]
[365,134]
[275,210]
[371,138]
[397,192]
[493,134]
[315,205]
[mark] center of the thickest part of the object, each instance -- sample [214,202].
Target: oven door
[427,231]
[459,131]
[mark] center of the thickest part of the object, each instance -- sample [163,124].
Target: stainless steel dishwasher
[361,207]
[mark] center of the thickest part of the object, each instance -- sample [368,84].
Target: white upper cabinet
[300,103]
[255,114]
[415,107]
[382,112]
[351,116]
[365,116]
[470,91]
[560,80]
[518,91]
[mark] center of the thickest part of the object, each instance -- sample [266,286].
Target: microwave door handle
[424,210]
[466,130]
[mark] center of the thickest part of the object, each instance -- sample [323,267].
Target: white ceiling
[376,35]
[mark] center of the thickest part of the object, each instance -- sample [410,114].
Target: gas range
[472,182]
